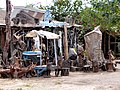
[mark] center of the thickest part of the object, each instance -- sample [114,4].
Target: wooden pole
[55,52]
[75,37]
[65,43]
[109,42]
[41,52]
[2,39]
[104,43]
[60,43]
[8,32]
[115,45]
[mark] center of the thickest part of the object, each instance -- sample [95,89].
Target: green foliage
[102,12]
[109,12]
[30,6]
[63,8]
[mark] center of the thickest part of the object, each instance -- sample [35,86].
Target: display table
[33,55]
[40,69]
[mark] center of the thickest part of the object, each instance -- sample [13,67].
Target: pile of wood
[16,70]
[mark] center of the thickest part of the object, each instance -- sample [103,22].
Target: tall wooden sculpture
[8,32]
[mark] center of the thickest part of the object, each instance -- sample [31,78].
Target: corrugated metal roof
[38,14]
[35,13]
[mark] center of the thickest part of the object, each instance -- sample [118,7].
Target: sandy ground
[75,81]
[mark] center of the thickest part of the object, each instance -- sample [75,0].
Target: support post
[65,43]
[2,39]
[60,43]
[109,42]
[104,47]
[41,51]
[55,52]
[75,37]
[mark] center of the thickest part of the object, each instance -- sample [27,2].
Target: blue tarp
[47,19]
[51,24]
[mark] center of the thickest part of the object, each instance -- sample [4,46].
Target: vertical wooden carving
[8,32]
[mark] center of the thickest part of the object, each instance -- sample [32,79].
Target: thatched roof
[2,16]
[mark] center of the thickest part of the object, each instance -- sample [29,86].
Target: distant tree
[30,5]
[108,13]
[102,12]
[62,8]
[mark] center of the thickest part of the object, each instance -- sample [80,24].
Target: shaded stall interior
[111,41]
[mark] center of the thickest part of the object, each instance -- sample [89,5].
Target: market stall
[47,35]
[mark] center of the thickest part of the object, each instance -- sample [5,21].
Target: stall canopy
[43,34]
[48,35]
[31,34]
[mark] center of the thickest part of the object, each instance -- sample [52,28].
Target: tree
[62,8]
[108,13]
[102,12]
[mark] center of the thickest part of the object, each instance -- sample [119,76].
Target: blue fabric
[47,15]
[32,53]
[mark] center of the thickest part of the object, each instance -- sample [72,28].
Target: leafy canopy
[102,12]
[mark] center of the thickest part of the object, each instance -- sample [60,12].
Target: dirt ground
[75,81]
